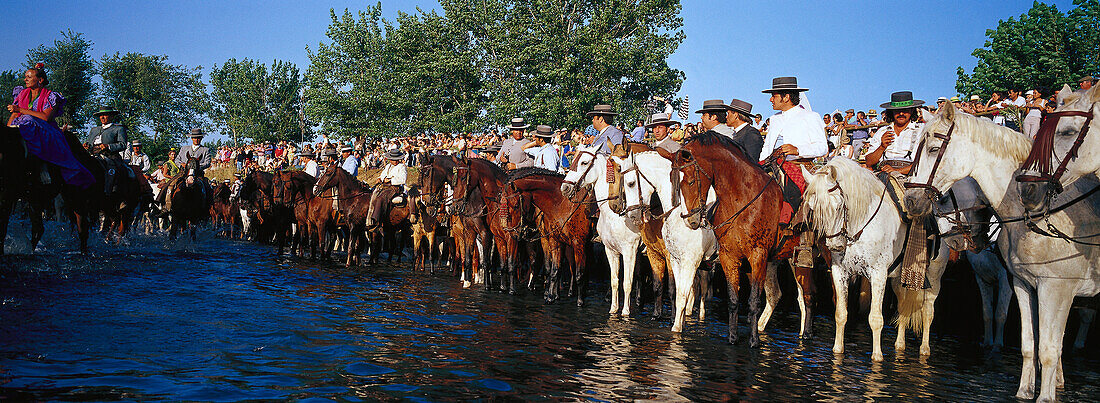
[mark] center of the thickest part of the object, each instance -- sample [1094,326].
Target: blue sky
[848,53]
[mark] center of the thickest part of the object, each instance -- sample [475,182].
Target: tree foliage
[254,103]
[9,80]
[70,70]
[1042,48]
[484,61]
[159,102]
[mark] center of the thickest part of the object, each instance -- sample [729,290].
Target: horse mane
[711,138]
[520,173]
[493,168]
[1000,140]
[860,189]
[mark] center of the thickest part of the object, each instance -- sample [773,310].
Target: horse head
[1062,134]
[433,176]
[415,203]
[511,208]
[635,190]
[937,166]
[825,205]
[580,172]
[691,181]
[966,214]
[326,181]
[461,187]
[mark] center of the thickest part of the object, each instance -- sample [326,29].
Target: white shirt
[545,157]
[724,130]
[905,143]
[311,168]
[99,139]
[799,127]
[395,174]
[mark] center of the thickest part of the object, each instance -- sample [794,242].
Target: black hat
[901,100]
[738,105]
[544,131]
[306,154]
[785,84]
[196,132]
[395,154]
[106,110]
[346,149]
[713,105]
[659,119]
[601,110]
[136,143]
[518,124]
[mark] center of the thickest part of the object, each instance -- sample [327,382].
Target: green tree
[254,104]
[70,70]
[1085,18]
[1042,48]
[550,61]
[158,101]
[8,81]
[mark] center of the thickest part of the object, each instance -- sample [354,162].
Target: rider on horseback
[33,111]
[199,152]
[394,174]
[105,142]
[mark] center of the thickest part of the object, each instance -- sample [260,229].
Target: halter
[573,168]
[932,174]
[1042,152]
[642,205]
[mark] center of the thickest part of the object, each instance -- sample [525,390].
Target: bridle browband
[1042,152]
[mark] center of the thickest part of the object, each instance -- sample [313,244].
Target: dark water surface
[225,321]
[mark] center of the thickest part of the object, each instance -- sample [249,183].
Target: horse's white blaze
[1048,271]
[686,247]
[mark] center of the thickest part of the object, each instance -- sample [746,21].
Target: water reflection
[221,320]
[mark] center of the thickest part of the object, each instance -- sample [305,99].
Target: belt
[899,163]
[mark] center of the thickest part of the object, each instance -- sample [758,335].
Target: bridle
[844,226]
[461,204]
[927,186]
[573,168]
[642,205]
[702,209]
[1042,152]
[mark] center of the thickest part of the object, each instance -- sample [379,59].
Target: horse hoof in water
[465,284]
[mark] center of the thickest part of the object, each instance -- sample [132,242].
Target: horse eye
[934,149]
[631,183]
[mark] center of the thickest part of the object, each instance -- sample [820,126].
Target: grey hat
[738,105]
[306,154]
[713,105]
[347,149]
[784,84]
[903,100]
[197,132]
[135,143]
[601,109]
[395,155]
[544,131]
[329,152]
[518,124]
[659,119]
[1087,78]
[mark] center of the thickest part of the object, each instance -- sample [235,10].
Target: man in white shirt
[543,153]
[660,123]
[395,173]
[894,146]
[1014,100]
[309,166]
[511,151]
[135,157]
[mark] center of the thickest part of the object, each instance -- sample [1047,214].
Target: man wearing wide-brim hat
[108,136]
[714,117]
[135,157]
[661,126]
[511,155]
[309,165]
[894,146]
[541,151]
[739,119]
[194,148]
[603,121]
[394,173]
[351,162]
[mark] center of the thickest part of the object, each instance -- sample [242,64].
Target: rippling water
[222,320]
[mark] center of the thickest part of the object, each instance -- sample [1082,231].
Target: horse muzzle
[918,202]
[568,190]
[635,219]
[1035,196]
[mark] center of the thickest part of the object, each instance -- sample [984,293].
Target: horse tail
[910,310]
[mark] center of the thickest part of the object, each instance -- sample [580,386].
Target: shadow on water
[219,320]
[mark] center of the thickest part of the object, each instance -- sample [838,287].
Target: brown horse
[224,210]
[21,177]
[488,180]
[353,201]
[187,205]
[564,225]
[257,197]
[387,224]
[428,230]
[293,190]
[745,218]
[467,224]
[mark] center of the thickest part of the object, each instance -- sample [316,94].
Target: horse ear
[805,173]
[685,155]
[831,170]
[426,161]
[621,150]
[664,153]
[1063,94]
[924,113]
[1093,93]
[947,111]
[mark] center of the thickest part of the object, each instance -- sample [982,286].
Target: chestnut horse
[387,224]
[468,225]
[745,216]
[353,200]
[224,210]
[293,190]
[478,177]
[564,224]
[427,230]
[257,196]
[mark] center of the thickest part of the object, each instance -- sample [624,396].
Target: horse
[478,177]
[257,198]
[1048,272]
[353,201]
[744,218]
[620,237]
[649,173]
[293,190]
[1063,134]
[428,230]
[187,204]
[563,225]
[21,177]
[469,228]
[224,210]
[866,235]
[387,223]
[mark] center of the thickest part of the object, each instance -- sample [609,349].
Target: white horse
[647,173]
[865,234]
[1048,272]
[620,238]
[1066,133]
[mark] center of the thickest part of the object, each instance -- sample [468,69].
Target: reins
[844,228]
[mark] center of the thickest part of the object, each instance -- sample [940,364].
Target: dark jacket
[750,141]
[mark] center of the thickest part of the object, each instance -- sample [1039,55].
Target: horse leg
[1026,300]
[629,261]
[580,278]
[772,294]
[731,266]
[431,252]
[658,266]
[758,263]
[613,263]
[683,279]
[840,288]
[1087,315]
[804,281]
[988,302]
[37,228]
[5,217]
[878,291]
[554,276]
[1055,301]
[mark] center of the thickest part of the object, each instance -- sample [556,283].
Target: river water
[221,320]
